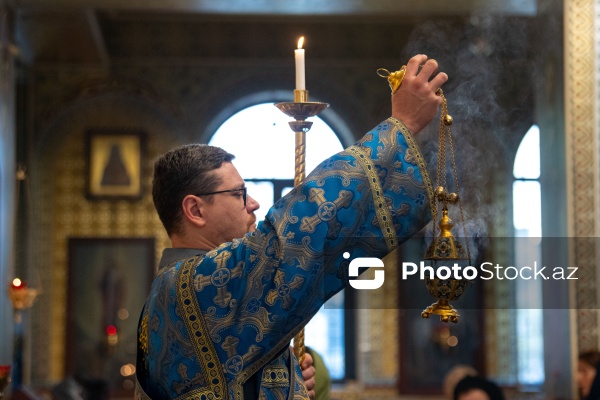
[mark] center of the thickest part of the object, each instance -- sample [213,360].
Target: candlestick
[18,284]
[299,56]
[20,295]
[300,109]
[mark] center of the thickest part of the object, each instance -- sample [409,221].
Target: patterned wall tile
[582,134]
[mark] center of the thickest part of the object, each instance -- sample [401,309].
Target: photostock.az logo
[365,262]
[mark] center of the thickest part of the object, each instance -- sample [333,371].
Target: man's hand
[415,102]
[308,373]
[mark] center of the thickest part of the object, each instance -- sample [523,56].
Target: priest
[230,294]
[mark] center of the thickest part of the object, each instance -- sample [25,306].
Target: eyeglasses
[244,191]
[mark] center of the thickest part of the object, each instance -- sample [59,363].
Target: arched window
[527,222]
[263,145]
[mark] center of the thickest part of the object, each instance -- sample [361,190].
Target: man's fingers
[413,64]
[307,361]
[429,68]
[416,103]
[308,373]
[439,80]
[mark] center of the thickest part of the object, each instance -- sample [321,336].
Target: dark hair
[590,357]
[469,383]
[182,171]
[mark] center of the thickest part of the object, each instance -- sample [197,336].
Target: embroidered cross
[283,290]
[222,258]
[201,281]
[219,278]
[186,383]
[278,245]
[327,211]
[230,345]
[235,363]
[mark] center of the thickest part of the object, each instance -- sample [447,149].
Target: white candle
[299,52]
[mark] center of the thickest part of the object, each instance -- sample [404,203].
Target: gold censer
[445,249]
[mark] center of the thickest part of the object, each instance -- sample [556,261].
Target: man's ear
[193,210]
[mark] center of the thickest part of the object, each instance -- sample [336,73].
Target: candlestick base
[301,110]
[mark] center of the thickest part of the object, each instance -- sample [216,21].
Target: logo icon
[366,262]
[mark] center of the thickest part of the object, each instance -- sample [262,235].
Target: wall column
[582,175]
[7,180]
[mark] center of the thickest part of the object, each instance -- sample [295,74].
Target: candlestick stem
[300,158]
[300,109]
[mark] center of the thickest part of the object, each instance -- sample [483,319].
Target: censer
[445,247]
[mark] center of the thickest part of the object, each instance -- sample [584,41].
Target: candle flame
[300,42]
[17,282]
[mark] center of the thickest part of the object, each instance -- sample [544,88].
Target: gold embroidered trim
[275,376]
[144,332]
[199,394]
[383,213]
[302,394]
[198,333]
[412,145]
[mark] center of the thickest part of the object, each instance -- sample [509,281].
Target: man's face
[227,218]
[585,377]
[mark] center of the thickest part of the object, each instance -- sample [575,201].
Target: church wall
[63,211]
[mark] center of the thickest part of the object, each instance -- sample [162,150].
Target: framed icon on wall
[114,164]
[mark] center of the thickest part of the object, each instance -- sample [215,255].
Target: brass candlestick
[21,297]
[300,109]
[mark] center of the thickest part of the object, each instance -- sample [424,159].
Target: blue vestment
[214,320]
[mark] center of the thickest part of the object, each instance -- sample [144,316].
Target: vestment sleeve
[257,292]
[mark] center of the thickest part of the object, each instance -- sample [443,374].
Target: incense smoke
[489,97]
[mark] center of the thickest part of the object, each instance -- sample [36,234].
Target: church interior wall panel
[582,136]
[596,343]
[70,214]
